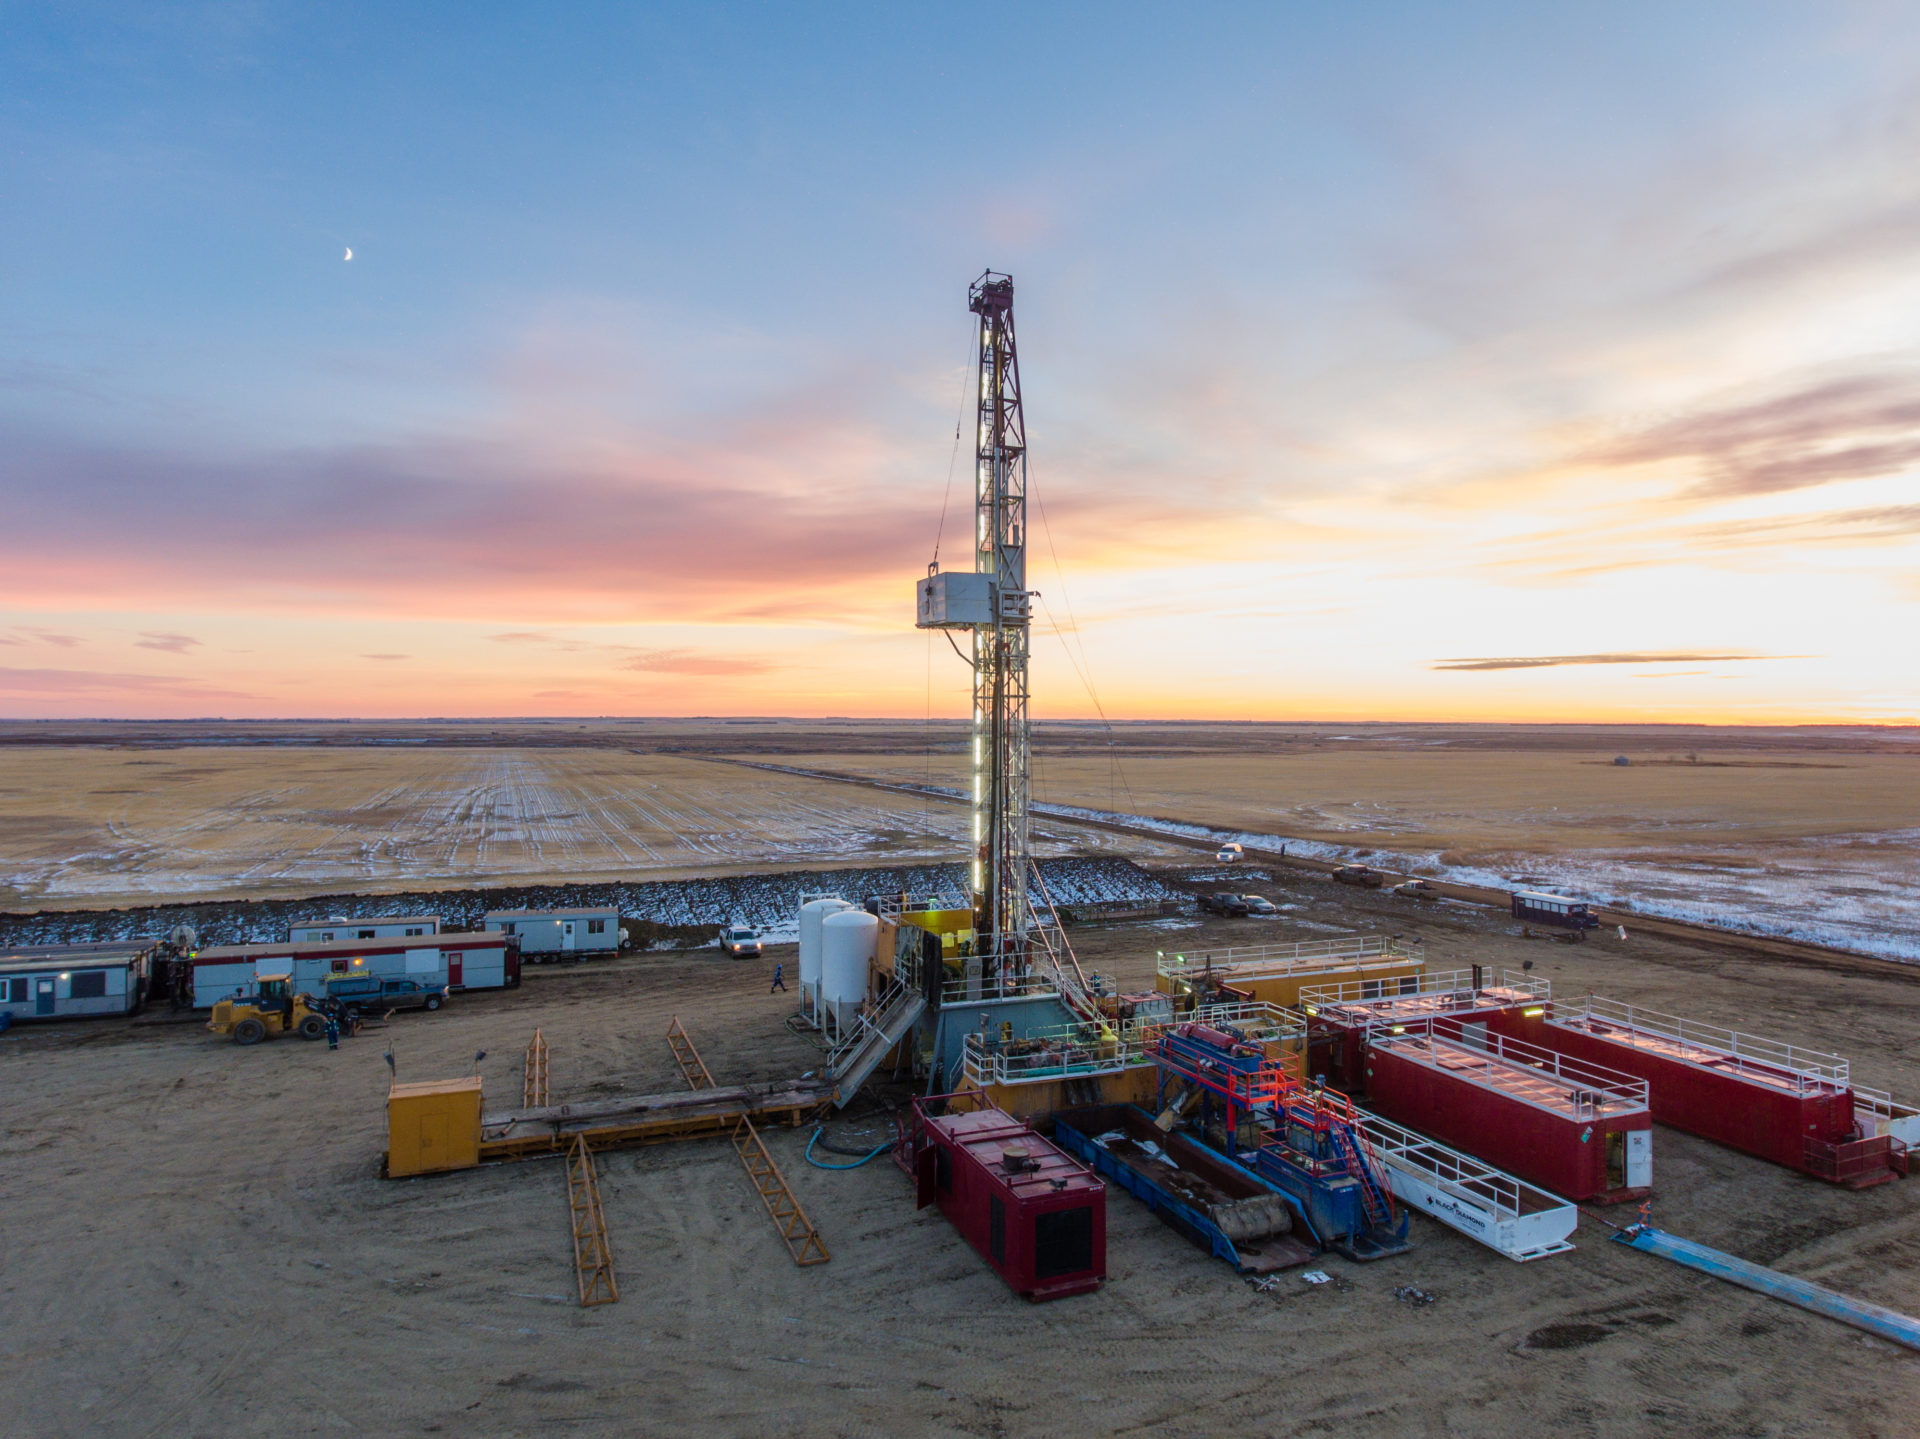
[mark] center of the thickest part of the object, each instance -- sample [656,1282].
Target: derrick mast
[994,603]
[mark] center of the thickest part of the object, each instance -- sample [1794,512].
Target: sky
[1388,362]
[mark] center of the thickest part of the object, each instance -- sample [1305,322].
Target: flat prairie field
[1821,845]
[93,826]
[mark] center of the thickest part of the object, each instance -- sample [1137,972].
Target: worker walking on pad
[333,1030]
[779,982]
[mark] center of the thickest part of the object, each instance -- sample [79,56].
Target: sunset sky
[1446,361]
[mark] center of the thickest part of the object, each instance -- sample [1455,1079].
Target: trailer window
[18,992]
[1063,1242]
[88,984]
[997,1229]
[596,926]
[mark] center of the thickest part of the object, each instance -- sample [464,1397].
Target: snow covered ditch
[767,901]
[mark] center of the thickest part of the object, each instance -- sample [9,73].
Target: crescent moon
[349,254]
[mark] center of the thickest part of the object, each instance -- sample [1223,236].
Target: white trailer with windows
[546,934]
[386,926]
[459,961]
[88,980]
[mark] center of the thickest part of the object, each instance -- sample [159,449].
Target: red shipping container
[1575,1129]
[1035,1214]
[1758,1096]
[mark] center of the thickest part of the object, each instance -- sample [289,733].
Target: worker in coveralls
[779,982]
[333,1030]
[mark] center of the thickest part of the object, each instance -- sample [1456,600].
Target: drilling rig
[993,603]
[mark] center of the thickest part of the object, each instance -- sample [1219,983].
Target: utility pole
[994,603]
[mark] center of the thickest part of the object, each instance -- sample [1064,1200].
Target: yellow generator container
[433,1126]
[1284,988]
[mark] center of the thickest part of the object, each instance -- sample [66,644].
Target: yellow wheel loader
[275,1010]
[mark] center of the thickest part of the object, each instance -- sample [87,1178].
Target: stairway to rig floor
[872,1040]
[592,1254]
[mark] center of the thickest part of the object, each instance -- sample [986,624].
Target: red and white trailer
[1034,1213]
[1341,1016]
[1763,1097]
[1576,1129]
[459,961]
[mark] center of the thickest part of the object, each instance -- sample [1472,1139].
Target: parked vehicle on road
[741,942]
[1259,904]
[1230,853]
[1230,905]
[1360,874]
[1416,889]
[358,994]
[1554,909]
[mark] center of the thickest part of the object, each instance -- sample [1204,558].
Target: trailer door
[566,936]
[43,995]
[1639,1158]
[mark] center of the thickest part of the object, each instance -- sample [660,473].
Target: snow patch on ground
[769,902]
[1859,892]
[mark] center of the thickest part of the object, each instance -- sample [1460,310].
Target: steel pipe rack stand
[1506,1214]
[803,1241]
[1776,1101]
[1571,1127]
[692,1067]
[1874,1319]
[592,1253]
[533,1085]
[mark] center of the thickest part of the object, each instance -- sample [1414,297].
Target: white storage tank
[811,915]
[847,944]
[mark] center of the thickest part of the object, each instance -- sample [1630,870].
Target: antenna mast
[994,603]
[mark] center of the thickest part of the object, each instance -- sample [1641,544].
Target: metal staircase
[860,1053]
[1373,1198]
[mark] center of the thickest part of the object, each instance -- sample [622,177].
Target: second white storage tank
[847,944]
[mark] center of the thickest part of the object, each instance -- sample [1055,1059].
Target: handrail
[1276,1020]
[866,1025]
[1809,1068]
[1268,958]
[1065,1052]
[1432,984]
[1588,1086]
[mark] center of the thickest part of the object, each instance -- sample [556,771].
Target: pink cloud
[103,684]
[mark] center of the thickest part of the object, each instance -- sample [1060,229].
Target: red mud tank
[1036,1215]
[1579,1130]
[1763,1097]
